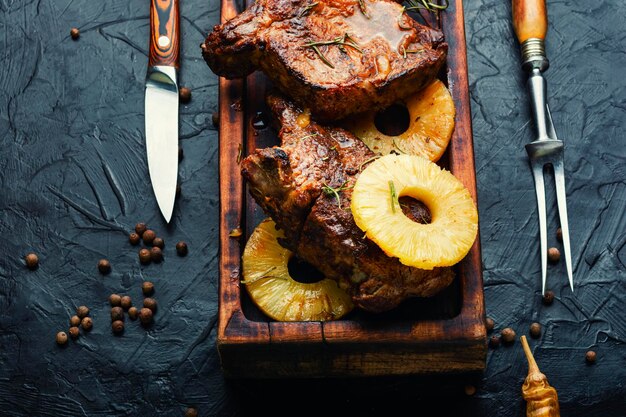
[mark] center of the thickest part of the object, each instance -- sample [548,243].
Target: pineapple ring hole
[393,121]
[303,272]
[415,209]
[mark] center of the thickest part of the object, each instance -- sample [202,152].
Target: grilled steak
[305,186]
[334,57]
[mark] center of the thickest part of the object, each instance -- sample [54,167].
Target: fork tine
[541,205]
[559,179]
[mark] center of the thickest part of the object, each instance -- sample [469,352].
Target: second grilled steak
[334,57]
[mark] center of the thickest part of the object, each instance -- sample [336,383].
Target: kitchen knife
[161,103]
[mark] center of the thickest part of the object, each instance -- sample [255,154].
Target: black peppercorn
[133,313]
[104,266]
[181,154]
[134,239]
[82,311]
[148,236]
[489,324]
[140,228]
[191,412]
[559,234]
[32,261]
[150,303]
[74,332]
[508,335]
[590,356]
[147,288]
[145,315]
[115,299]
[181,248]
[158,242]
[144,256]
[126,302]
[117,326]
[494,341]
[548,297]
[535,330]
[554,255]
[74,321]
[74,33]
[61,338]
[185,94]
[156,254]
[117,313]
[86,324]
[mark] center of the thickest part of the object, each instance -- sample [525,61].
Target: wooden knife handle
[530,19]
[164,33]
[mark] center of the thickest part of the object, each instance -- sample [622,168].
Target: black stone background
[74,181]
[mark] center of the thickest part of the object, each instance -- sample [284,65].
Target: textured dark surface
[73,182]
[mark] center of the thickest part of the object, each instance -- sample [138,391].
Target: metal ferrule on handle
[534,55]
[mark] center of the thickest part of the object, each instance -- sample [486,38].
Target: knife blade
[161,103]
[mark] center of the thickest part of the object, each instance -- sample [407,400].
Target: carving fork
[530,22]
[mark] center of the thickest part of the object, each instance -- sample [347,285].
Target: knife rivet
[163,41]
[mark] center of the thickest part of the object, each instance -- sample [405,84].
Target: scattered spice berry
[61,338]
[215,118]
[117,326]
[236,232]
[150,303]
[74,321]
[32,261]
[140,228]
[535,330]
[134,239]
[117,314]
[147,288]
[144,256]
[559,234]
[489,324]
[133,313]
[191,412]
[158,242]
[74,33]
[554,255]
[74,332]
[126,302]
[548,298]
[104,266]
[148,236]
[470,390]
[590,356]
[181,154]
[82,311]
[156,254]
[181,248]
[494,341]
[86,324]
[185,94]
[115,300]
[145,315]
[508,335]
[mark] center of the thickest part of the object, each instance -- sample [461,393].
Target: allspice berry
[185,94]
[86,324]
[74,321]
[134,238]
[74,332]
[158,242]
[82,311]
[117,314]
[150,303]
[590,356]
[104,266]
[489,324]
[508,335]
[115,300]
[32,261]
[470,390]
[156,254]
[494,341]
[554,255]
[148,236]
[133,313]
[140,228]
[144,256]
[147,288]
[559,234]
[126,302]
[181,248]
[548,297]
[61,338]
[191,412]
[145,315]
[74,33]
[535,330]
[117,326]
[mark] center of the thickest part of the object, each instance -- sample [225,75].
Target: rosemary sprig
[308,8]
[328,190]
[394,196]
[340,41]
[373,158]
[363,8]
[410,51]
[427,5]
[308,136]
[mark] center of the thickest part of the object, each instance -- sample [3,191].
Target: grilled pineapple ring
[431,123]
[267,280]
[376,210]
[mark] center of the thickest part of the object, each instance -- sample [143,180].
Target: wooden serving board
[442,334]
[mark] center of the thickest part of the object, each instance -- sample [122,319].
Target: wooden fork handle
[530,19]
[164,33]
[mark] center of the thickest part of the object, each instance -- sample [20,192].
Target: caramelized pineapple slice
[276,293]
[431,123]
[376,210]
